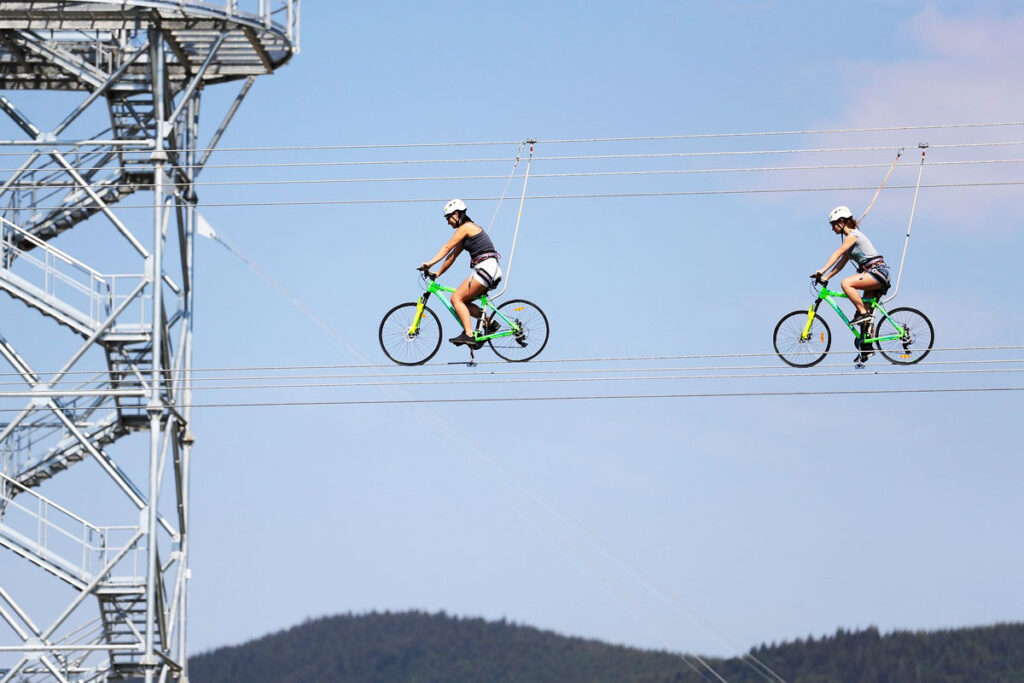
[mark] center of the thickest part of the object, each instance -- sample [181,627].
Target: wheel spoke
[796,350]
[532,331]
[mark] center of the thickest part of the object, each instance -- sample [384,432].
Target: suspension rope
[892,167]
[519,218]
[913,208]
[519,154]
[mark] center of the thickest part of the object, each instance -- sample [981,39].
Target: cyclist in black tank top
[470,237]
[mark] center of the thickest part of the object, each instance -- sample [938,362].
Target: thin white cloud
[964,70]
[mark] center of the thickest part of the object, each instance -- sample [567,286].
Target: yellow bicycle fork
[416,318]
[806,334]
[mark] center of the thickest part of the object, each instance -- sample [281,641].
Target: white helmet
[453,206]
[840,212]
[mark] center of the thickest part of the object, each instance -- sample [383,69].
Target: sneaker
[463,338]
[491,326]
[860,319]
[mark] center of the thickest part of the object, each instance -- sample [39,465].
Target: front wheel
[405,345]
[532,331]
[794,348]
[916,336]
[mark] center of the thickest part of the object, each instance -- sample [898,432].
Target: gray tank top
[478,244]
[862,250]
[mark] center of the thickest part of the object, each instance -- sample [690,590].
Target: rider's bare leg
[855,284]
[464,294]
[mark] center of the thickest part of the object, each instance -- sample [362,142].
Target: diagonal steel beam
[81,182]
[108,465]
[105,208]
[104,326]
[224,124]
[186,95]
[100,576]
[114,78]
[19,118]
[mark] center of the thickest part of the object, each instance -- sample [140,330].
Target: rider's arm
[456,240]
[451,259]
[839,257]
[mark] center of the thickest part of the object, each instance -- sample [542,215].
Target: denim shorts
[880,272]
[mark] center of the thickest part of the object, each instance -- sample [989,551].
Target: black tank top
[478,244]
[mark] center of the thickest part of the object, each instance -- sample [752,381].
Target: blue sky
[707,525]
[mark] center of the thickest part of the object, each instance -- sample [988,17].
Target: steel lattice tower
[120,590]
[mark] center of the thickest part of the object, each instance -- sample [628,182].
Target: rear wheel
[796,350]
[916,341]
[532,336]
[405,347]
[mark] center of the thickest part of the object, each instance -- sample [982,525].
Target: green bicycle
[410,333]
[903,335]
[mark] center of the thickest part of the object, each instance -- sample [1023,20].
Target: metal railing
[56,535]
[65,279]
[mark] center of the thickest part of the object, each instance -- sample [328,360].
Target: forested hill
[415,646]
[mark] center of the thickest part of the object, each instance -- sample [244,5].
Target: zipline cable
[548,361]
[490,381]
[603,397]
[488,375]
[576,157]
[581,174]
[635,138]
[595,195]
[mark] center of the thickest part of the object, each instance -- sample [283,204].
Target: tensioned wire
[487,379]
[490,381]
[574,157]
[603,397]
[486,375]
[536,361]
[581,174]
[595,195]
[556,141]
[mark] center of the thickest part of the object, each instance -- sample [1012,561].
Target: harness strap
[474,262]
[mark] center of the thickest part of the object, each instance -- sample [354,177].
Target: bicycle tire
[797,352]
[533,322]
[918,342]
[403,348]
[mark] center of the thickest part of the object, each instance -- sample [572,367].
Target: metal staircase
[147,62]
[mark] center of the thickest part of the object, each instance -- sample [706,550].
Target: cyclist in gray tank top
[872,274]
[484,275]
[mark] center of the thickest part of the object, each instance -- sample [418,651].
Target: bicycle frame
[829,297]
[484,303]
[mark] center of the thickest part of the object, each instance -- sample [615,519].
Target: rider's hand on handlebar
[425,269]
[819,279]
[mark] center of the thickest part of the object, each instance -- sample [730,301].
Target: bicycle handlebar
[426,274]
